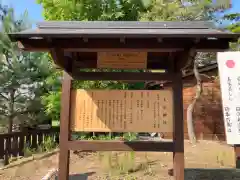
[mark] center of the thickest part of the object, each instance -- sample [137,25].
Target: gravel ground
[205,161]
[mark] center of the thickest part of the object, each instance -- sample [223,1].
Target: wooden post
[178,128]
[1,147]
[237,155]
[64,128]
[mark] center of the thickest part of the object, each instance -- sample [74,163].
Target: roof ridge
[125,25]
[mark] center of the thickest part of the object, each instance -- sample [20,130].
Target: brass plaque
[122,60]
[121,110]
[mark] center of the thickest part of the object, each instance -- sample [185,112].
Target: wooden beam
[144,43]
[38,45]
[237,155]
[100,44]
[178,128]
[155,60]
[98,145]
[161,63]
[60,60]
[109,49]
[65,127]
[121,76]
[58,57]
[89,60]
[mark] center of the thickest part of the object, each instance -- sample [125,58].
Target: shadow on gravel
[212,174]
[83,176]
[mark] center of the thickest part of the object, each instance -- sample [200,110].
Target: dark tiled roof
[124,25]
[196,29]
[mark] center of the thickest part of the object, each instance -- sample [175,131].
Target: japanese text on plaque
[122,110]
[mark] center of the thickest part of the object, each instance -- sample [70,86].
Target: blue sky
[35,10]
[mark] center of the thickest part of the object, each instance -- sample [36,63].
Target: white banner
[229,72]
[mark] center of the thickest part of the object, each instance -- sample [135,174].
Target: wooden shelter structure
[164,45]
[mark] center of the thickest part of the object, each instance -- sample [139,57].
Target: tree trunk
[190,123]
[11,110]
[10,124]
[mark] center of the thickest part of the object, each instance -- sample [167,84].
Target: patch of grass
[28,151]
[47,145]
[115,163]
[130,136]
[145,166]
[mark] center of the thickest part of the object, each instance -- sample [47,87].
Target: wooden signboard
[121,110]
[122,60]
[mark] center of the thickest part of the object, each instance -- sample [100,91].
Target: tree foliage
[22,76]
[89,10]
[234,27]
[92,10]
[126,10]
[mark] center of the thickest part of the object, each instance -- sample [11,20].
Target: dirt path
[153,166]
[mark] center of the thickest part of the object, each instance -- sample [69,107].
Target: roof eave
[18,36]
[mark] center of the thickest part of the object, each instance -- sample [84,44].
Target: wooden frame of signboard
[171,46]
[176,146]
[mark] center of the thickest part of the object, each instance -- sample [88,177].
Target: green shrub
[28,151]
[48,144]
